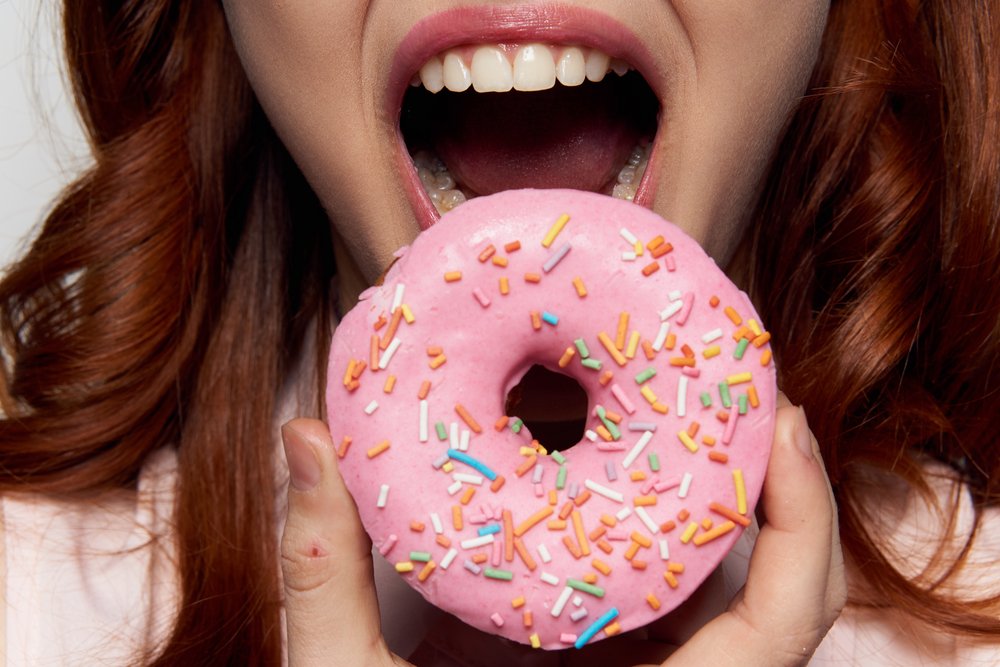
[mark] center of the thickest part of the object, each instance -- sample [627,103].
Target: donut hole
[553,406]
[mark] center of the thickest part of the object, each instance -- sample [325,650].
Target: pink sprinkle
[691,372]
[495,560]
[660,487]
[616,535]
[567,638]
[539,490]
[497,619]
[626,404]
[734,413]
[387,546]
[610,447]
[669,261]
[477,519]
[685,309]
[483,300]
[648,486]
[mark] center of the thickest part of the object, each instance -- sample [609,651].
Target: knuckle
[306,563]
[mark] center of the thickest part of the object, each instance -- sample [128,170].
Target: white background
[41,146]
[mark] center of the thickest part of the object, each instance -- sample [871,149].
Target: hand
[794,592]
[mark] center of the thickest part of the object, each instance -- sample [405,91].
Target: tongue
[559,138]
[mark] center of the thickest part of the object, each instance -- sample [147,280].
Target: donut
[548,547]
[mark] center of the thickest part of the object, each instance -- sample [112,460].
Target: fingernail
[801,434]
[303,466]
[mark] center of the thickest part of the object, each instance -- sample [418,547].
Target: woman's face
[714,83]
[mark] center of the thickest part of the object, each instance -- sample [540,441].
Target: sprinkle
[628,236]
[686,440]
[650,269]
[481,297]
[741,491]
[390,384]
[765,358]
[407,314]
[462,457]
[561,477]
[596,627]
[661,336]
[344,444]
[476,542]
[442,432]
[637,449]
[714,533]
[497,484]
[553,232]
[532,521]
[724,395]
[489,529]
[623,513]
[654,462]
[452,276]
[502,575]
[622,399]
[664,549]
[741,349]
[567,357]
[610,494]
[556,257]
[581,537]
[633,345]
[438,361]
[718,457]
[463,444]
[710,336]
[581,347]
[532,278]
[689,532]
[420,556]
[646,519]
[534,640]
[733,316]
[383,363]
[549,318]
[513,246]
[526,465]
[404,567]
[423,430]
[742,401]
[682,385]
[645,375]
[584,587]
[581,289]
[378,449]
[472,567]
[671,310]
[497,619]
[499,261]
[504,286]
[454,438]
[606,377]
[685,485]
[612,350]
[383,496]
[468,419]
[727,435]
[454,488]
[688,302]
[560,603]
[467,495]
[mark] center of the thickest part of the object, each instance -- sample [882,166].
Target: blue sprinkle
[472,463]
[549,318]
[490,529]
[596,627]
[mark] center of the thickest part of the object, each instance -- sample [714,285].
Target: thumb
[331,610]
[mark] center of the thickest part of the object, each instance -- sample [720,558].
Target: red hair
[173,284]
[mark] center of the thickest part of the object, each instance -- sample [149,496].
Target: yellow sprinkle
[754,327]
[390,384]
[525,450]
[553,232]
[581,289]
[448,467]
[710,352]
[517,602]
[741,491]
[638,249]
[504,286]
[407,314]
[648,394]
[687,441]
[378,449]
[633,345]
[405,566]
[739,378]
[653,601]
[535,641]
[689,532]
[452,276]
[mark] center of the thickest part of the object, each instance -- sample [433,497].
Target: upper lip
[548,23]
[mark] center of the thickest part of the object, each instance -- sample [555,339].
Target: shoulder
[93,580]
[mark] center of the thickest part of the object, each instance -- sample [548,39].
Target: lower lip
[552,23]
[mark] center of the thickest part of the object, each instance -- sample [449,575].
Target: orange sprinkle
[733,316]
[606,378]
[581,289]
[378,449]
[504,286]
[765,358]
[508,536]
[714,301]
[590,578]
[581,536]
[644,501]
[633,549]
[452,276]
[641,539]
[501,423]
[621,332]
[683,515]
[359,368]
[752,396]
[536,320]
[722,416]
[380,322]
[604,546]
[522,551]
[612,350]
[390,333]
[613,416]
[637,475]
[693,429]
[676,568]
[354,384]
[605,434]
[742,332]
[425,388]
[344,444]
[426,572]
[526,465]
[566,510]
[417,526]
[373,352]
[480,558]
[438,361]
[457,521]
[653,602]
[532,277]
[497,484]
[708,440]
[714,533]
[660,407]
[762,339]
[582,497]
[517,602]
[443,541]
[467,495]
[612,628]
[601,566]
[556,524]
[687,351]
[468,419]
[567,356]
[661,250]
[638,564]
[390,384]
[650,269]
[609,520]
[499,260]
[670,342]
[349,373]
[597,533]
[528,619]
[487,253]
[553,496]
[533,520]
[434,350]
[648,350]
[667,526]
[571,547]
[655,243]
[682,361]
[718,457]
[730,514]
[513,246]
[706,523]
[671,579]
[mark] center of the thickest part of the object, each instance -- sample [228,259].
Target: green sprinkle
[741,348]
[581,347]
[645,376]
[561,478]
[743,403]
[422,556]
[441,431]
[612,427]
[558,457]
[505,575]
[592,364]
[727,401]
[596,591]
[706,399]
[654,463]
[516,424]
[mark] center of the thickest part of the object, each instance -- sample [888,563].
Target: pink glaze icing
[648,561]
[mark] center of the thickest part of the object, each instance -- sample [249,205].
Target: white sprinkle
[642,426]
[609,470]
[637,449]
[671,310]
[476,542]
[543,553]
[397,299]
[664,550]
[628,236]
[383,496]
[561,601]
[440,461]
[661,336]
[556,257]
[623,513]
[454,488]
[685,485]
[577,600]
[536,474]
[472,567]
[436,522]
[453,436]
[673,295]
[467,478]
[574,490]
[610,494]
[682,395]
[628,256]
[483,300]
[709,336]
[448,557]
[579,614]
[463,442]
[647,520]
[383,362]
[550,579]
[424,434]
[371,407]
[590,435]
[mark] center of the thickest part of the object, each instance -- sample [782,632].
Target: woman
[190,275]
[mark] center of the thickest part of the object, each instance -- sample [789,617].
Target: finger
[330,604]
[790,599]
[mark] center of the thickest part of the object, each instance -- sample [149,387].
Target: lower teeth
[444,193]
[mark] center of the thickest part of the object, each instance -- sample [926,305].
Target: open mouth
[482,118]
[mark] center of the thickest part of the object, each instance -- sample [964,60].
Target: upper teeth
[491,68]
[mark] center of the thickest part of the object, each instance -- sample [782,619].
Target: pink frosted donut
[553,549]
